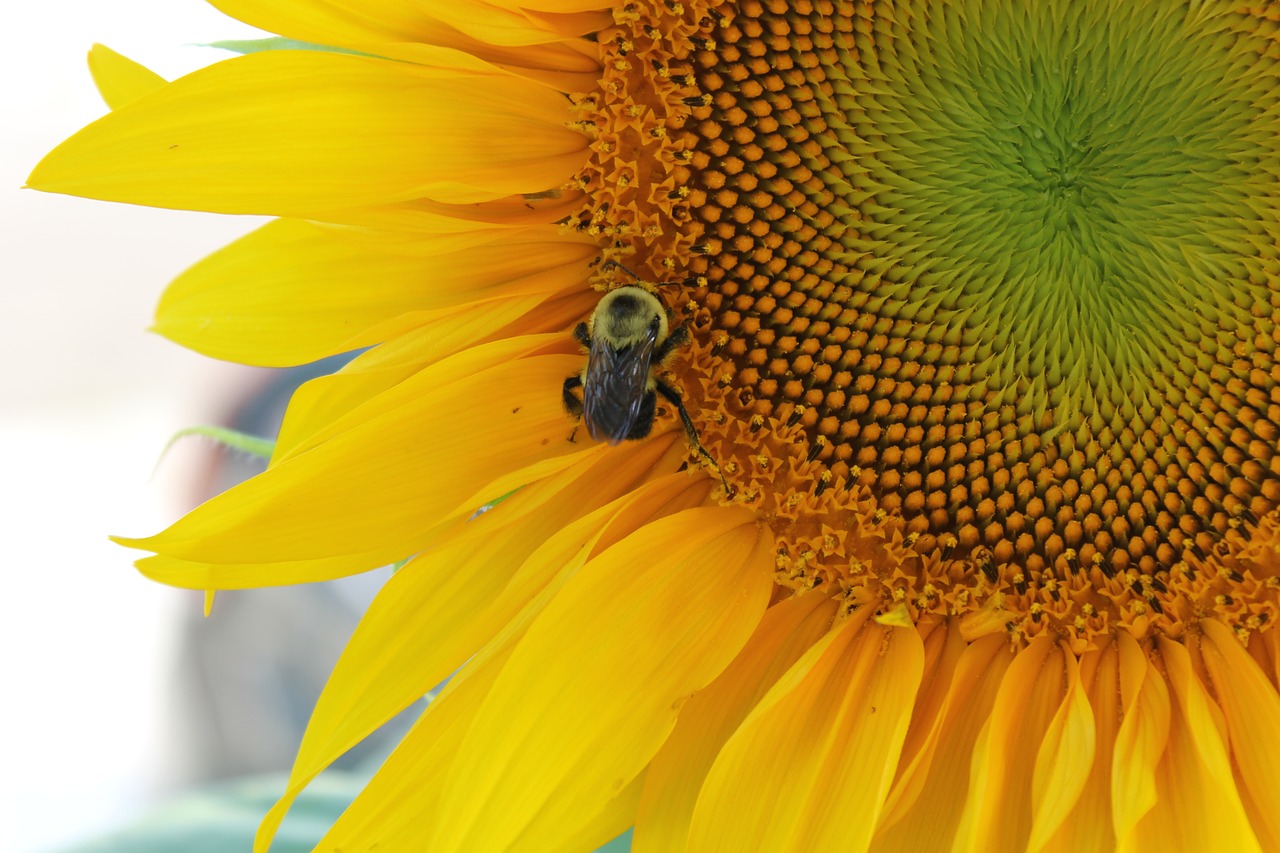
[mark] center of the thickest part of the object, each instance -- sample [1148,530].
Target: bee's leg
[572,404]
[673,398]
[581,335]
[677,337]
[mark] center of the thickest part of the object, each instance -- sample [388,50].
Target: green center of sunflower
[1010,269]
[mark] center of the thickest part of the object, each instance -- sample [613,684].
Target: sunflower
[983,301]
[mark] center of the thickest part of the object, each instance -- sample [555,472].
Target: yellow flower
[983,303]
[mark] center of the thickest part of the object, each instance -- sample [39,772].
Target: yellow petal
[291,132]
[1006,782]
[943,765]
[243,302]
[811,765]
[392,809]
[592,689]
[405,785]
[1197,806]
[1140,741]
[1089,825]
[560,5]
[120,79]
[318,404]
[343,22]
[440,608]
[710,716]
[1264,647]
[1252,711]
[327,405]
[943,649]
[608,823]
[1064,761]
[413,220]
[499,24]
[210,577]
[338,22]
[386,473]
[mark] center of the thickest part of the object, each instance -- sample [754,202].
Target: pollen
[984,330]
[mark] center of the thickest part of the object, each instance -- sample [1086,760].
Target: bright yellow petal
[376,820]
[293,132]
[1140,742]
[327,405]
[389,473]
[323,401]
[499,24]
[1264,647]
[243,303]
[1252,711]
[1006,783]
[1064,761]
[1089,826]
[1197,806]
[414,219]
[615,818]
[210,577]
[440,608]
[538,582]
[710,716]
[338,22]
[398,369]
[810,767]
[119,79]
[930,822]
[593,688]
[943,649]
[344,22]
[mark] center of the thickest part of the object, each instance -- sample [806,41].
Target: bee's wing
[615,385]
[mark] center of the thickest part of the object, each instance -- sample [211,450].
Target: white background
[87,400]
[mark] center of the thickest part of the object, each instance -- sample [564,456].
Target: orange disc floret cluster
[895,463]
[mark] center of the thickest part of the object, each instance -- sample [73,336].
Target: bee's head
[624,316]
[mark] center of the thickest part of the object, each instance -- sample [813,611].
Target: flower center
[997,284]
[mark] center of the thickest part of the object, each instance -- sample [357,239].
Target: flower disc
[1002,281]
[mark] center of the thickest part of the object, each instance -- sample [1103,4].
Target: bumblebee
[627,338]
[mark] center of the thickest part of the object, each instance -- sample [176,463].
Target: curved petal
[711,715]
[1089,825]
[1140,741]
[387,473]
[320,407]
[930,822]
[242,302]
[944,647]
[292,132]
[327,405]
[593,688]
[119,79]
[1036,717]
[1252,711]
[1264,647]
[343,22]
[1197,805]
[396,788]
[1064,761]
[811,765]
[441,607]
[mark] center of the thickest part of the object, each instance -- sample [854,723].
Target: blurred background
[119,695]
